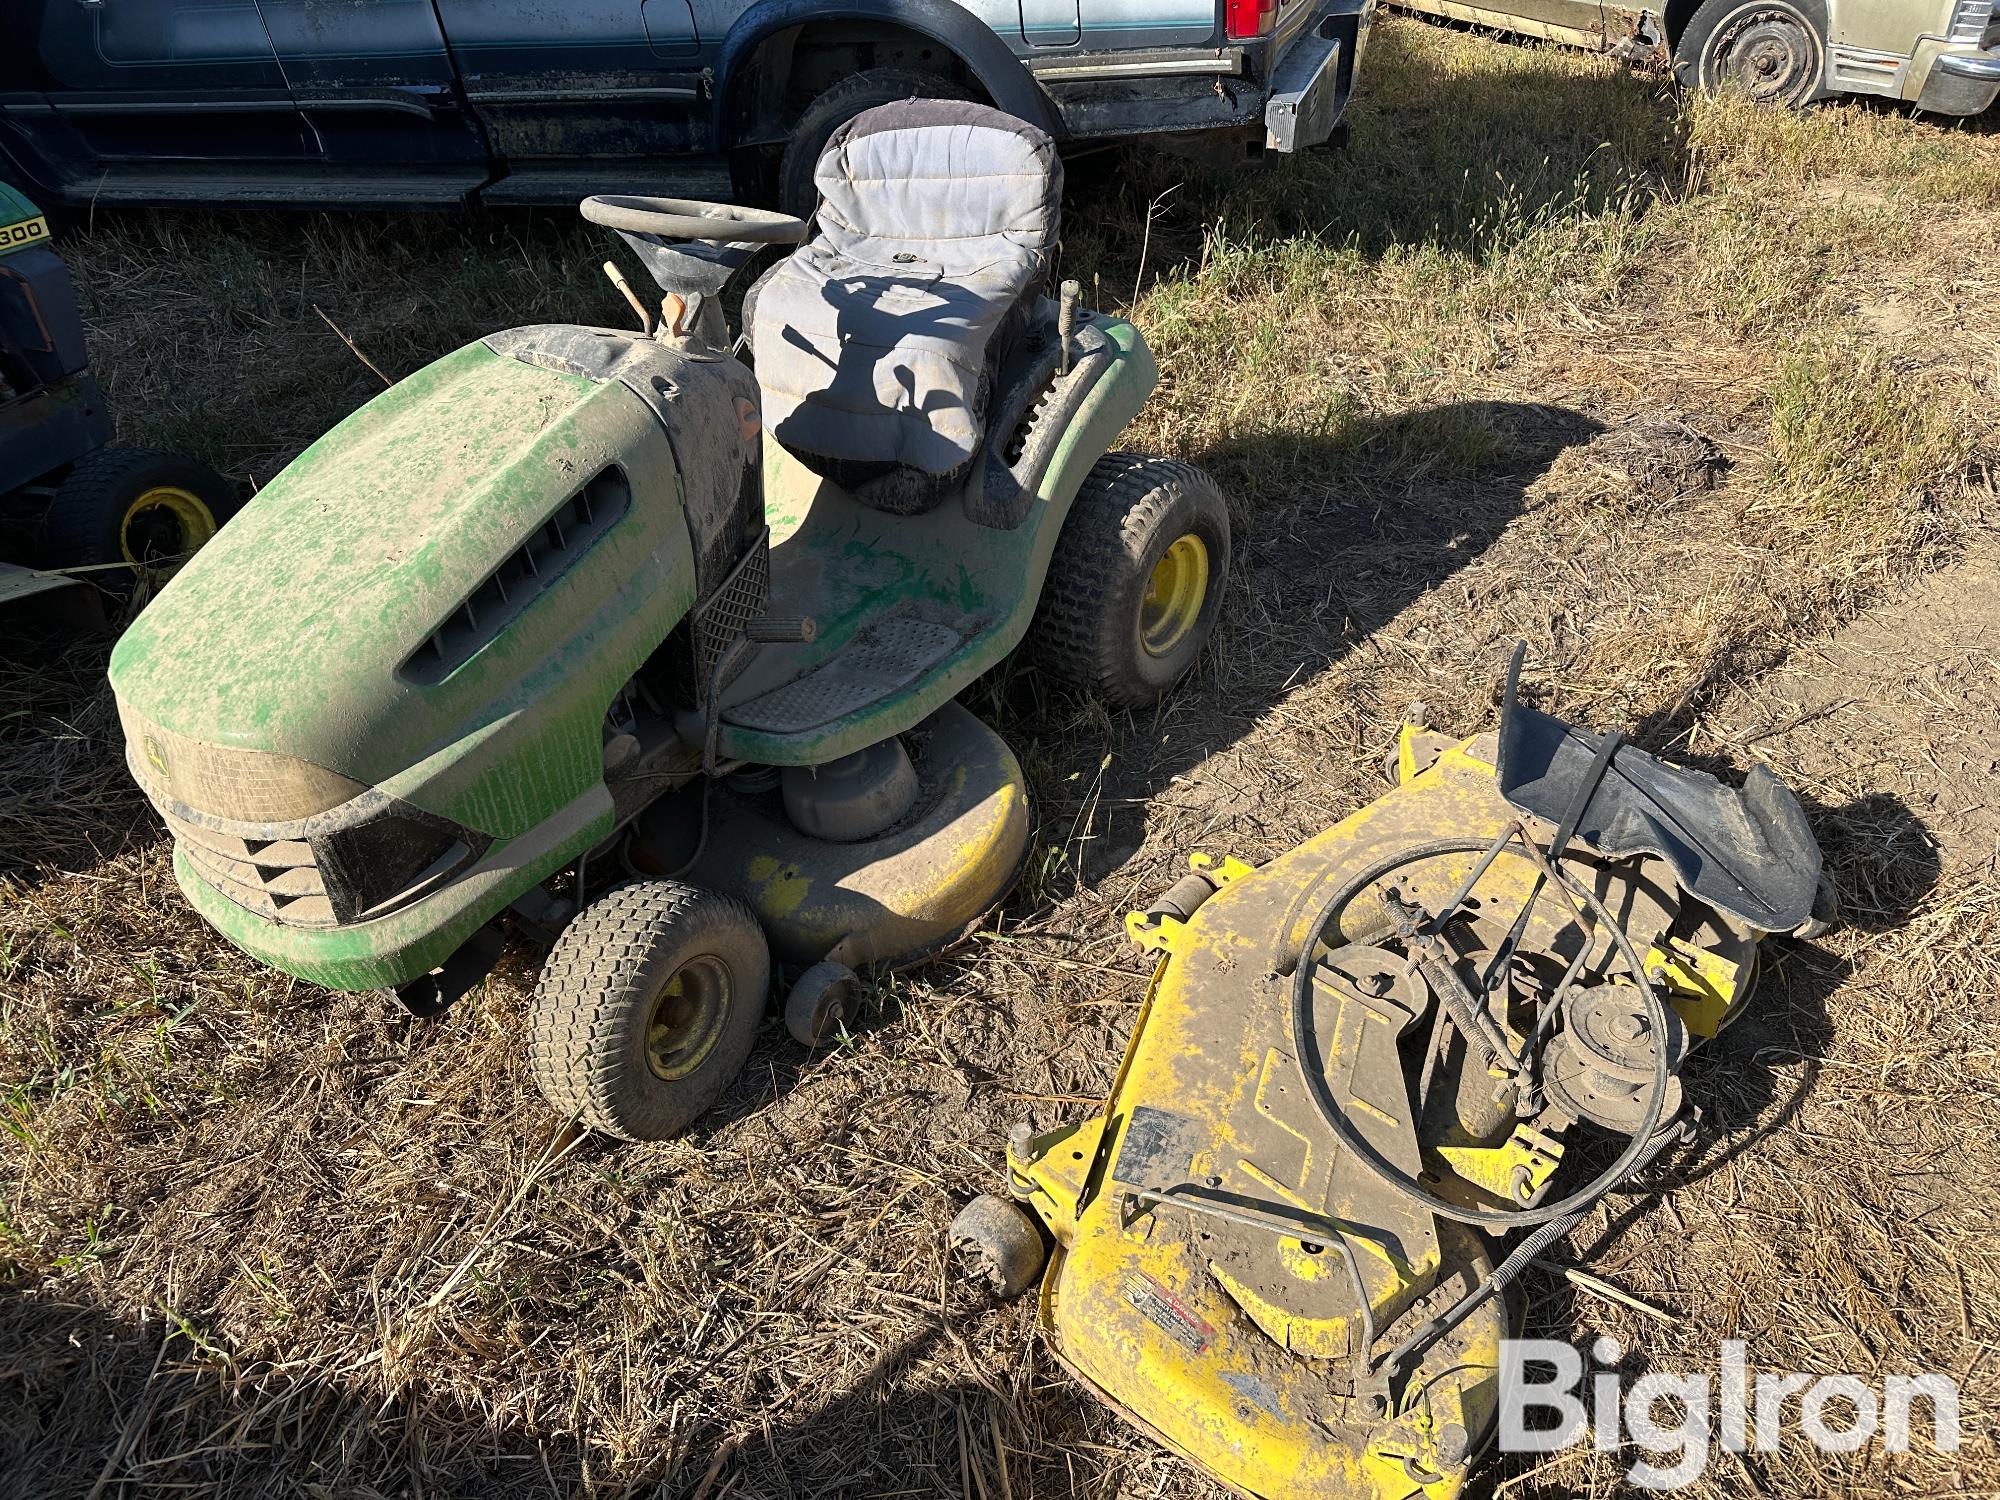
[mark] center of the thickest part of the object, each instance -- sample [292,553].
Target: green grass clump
[1857,444]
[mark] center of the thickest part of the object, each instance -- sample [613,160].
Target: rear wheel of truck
[1774,50]
[146,509]
[648,1007]
[797,193]
[1136,580]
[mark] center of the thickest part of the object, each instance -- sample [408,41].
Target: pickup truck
[403,103]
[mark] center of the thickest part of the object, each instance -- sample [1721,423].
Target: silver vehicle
[1940,55]
[388,103]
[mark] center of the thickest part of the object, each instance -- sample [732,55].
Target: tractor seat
[877,341]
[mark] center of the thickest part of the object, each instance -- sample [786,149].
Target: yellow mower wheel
[166,521]
[819,1001]
[999,1245]
[139,507]
[1135,583]
[1174,595]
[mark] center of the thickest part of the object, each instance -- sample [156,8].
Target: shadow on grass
[1339,534]
[92,1404]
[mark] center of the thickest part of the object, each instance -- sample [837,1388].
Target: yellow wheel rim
[163,523]
[1174,595]
[687,1018]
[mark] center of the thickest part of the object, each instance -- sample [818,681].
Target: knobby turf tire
[587,1032]
[1130,509]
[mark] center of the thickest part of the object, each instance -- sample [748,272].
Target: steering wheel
[687,219]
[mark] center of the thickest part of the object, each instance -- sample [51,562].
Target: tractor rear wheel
[648,1007]
[142,507]
[1136,580]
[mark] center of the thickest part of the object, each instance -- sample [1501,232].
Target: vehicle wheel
[1774,50]
[999,1244]
[134,505]
[824,994]
[1136,579]
[647,1007]
[797,193]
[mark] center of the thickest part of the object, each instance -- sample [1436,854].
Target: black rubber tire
[1086,629]
[818,1001]
[596,996]
[999,1245]
[797,194]
[85,525]
[1700,53]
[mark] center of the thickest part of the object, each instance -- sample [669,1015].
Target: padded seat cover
[872,342]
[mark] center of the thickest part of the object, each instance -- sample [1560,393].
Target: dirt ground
[1694,400]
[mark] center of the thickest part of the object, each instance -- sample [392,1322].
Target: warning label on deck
[1168,1313]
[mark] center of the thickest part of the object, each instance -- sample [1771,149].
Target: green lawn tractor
[78,517]
[556,604]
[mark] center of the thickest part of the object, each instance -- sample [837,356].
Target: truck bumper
[1961,83]
[1284,95]
[1314,78]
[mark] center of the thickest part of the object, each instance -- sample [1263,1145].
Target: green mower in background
[80,520]
[571,600]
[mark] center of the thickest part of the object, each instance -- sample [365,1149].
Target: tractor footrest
[879,660]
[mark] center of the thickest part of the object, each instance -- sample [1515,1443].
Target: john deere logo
[155,756]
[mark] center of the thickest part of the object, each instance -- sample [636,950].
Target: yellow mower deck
[1202,1283]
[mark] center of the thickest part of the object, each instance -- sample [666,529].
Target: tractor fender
[1000,73]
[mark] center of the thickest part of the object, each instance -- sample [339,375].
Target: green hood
[301,630]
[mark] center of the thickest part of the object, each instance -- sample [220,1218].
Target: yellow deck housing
[1236,1345]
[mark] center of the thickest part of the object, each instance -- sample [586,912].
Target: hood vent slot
[524,576]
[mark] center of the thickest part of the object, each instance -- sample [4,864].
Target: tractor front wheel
[648,1007]
[141,507]
[1136,580]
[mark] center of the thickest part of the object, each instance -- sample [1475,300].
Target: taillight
[1247,19]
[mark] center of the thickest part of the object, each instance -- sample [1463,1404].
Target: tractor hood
[397,588]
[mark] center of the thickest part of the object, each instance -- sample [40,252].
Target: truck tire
[648,1007]
[1136,580]
[797,193]
[1775,50]
[140,506]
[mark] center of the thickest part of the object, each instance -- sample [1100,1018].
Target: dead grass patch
[265,1240]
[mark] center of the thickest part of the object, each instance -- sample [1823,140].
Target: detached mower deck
[1358,1060]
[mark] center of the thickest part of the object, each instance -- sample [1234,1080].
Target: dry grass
[1668,391]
